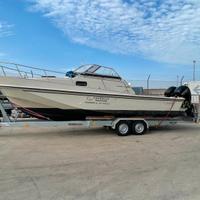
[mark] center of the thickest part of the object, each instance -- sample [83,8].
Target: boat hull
[78,114]
[75,105]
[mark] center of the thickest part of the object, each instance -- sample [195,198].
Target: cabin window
[81,83]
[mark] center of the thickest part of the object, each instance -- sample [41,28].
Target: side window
[81,83]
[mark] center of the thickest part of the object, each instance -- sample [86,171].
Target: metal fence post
[181,82]
[148,80]
[177,80]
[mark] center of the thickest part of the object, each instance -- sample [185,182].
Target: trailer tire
[123,128]
[139,127]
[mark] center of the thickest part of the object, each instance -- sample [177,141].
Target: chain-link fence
[154,87]
[154,84]
[165,81]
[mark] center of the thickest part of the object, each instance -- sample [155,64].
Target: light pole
[194,69]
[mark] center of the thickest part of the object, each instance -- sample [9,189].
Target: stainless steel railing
[23,71]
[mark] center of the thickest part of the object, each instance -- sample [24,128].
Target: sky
[135,37]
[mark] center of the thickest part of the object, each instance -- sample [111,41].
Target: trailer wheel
[123,128]
[139,127]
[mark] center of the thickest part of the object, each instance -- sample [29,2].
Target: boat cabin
[99,77]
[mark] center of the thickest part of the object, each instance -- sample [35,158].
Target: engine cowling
[170,91]
[184,92]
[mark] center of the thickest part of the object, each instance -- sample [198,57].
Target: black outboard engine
[170,91]
[184,92]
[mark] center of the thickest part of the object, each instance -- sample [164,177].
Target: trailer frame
[123,126]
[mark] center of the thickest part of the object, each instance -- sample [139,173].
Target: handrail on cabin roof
[20,69]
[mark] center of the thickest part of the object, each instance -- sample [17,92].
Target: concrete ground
[90,164]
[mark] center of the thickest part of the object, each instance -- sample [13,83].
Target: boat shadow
[53,132]
[178,128]
[80,131]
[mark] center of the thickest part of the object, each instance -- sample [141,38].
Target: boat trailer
[123,126]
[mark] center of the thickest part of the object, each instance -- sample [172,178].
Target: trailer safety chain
[37,115]
[164,118]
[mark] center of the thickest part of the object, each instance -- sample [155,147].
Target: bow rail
[24,71]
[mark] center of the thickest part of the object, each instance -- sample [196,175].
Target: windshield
[82,68]
[97,70]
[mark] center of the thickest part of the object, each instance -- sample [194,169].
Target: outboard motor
[170,92]
[183,91]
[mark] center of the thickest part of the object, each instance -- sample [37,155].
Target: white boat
[89,91]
